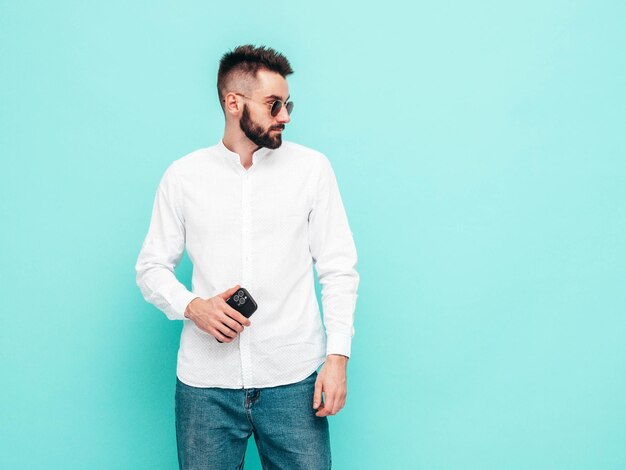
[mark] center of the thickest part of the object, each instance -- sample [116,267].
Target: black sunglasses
[276,105]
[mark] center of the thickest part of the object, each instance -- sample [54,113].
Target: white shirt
[263,228]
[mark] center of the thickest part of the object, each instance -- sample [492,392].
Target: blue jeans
[213,426]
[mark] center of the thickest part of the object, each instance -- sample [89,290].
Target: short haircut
[245,61]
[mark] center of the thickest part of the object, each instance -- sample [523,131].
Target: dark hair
[248,60]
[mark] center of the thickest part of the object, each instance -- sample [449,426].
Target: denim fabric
[213,426]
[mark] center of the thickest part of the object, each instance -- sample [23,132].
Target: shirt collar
[256,156]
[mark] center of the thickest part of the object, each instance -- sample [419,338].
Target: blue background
[479,147]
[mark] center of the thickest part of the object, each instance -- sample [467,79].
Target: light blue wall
[480,150]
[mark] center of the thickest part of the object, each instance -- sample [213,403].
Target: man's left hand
[331,380]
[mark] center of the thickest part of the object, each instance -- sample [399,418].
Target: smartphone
[243,302]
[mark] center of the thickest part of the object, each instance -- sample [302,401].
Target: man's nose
[283,116]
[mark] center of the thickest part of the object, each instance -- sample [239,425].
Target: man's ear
[232,104]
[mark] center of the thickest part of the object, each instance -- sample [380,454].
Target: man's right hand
[216,317]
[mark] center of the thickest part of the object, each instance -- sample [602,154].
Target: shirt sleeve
[334,254]
[162,251]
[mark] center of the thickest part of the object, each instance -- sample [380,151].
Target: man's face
[256,121]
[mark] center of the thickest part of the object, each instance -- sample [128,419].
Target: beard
[257,134]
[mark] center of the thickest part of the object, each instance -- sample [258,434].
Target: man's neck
[241,145]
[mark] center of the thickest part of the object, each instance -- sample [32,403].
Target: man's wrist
[337,358]
[188,309]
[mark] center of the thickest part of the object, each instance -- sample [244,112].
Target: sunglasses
[276,106]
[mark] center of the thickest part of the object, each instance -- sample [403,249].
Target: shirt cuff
[180,302]
[337,343]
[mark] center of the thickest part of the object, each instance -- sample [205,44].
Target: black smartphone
[243,302]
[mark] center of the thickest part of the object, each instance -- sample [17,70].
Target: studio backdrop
[480,151]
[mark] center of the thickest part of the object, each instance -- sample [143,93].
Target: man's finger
[232,324]
[226,331]
[227,293]
[221,337]
[317,394]
[343,401]
[323,411]
[235,315]
[339,403]
[330,399]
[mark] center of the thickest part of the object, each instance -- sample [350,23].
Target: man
[256,212]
